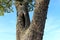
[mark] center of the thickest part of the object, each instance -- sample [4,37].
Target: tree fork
[36,29]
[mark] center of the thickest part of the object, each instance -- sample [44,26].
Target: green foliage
[20,0]
[31,5]
[5,6]
[1,11]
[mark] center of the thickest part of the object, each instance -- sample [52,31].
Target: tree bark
[35,30]
[23,20]
[39,19]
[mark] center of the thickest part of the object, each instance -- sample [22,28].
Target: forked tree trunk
[36,29]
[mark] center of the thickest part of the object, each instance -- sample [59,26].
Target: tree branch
[20,20]
[39,19]
[23,20]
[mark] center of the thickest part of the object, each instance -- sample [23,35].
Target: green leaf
[5,6]
[1,11]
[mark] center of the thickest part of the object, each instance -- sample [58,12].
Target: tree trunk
[39,19]
[35,30]
[23,20]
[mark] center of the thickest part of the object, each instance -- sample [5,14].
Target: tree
[39,18]
[34,30]
[5,6]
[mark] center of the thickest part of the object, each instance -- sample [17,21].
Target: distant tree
[24,29]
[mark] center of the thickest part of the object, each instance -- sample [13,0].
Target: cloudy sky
[52,27]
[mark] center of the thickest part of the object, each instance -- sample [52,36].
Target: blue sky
[52,26]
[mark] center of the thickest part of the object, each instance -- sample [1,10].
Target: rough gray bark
[39,19]
[23,20]
[35,30]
